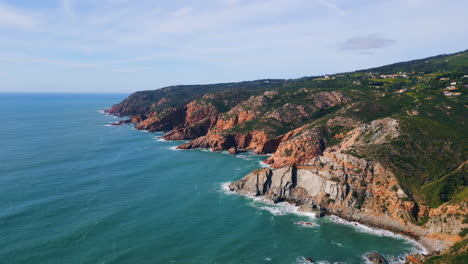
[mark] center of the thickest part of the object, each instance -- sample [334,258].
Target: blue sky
[128,45]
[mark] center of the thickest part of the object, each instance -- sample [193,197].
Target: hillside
[397,131]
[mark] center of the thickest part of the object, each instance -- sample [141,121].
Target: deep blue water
[73,190]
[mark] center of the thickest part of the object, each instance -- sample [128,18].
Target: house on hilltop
[401,91]
[447,93]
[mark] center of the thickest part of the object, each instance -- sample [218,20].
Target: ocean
[75,190]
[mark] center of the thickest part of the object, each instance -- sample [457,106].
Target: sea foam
[174,148]
[379,232]
[284,208]
[225,188]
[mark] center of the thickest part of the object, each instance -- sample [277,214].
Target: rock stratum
[387,152]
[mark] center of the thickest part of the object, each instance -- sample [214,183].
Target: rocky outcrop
[214,142]
[201,122]
[328,99]
[304,143]
[353,188]
[357,189]
[134,120]
[376,258]
[379,131]
[310,141]
[298,146]
[199,118]
[187,122]
[163,121]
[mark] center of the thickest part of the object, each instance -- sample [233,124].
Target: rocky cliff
[356,189]
[352,144]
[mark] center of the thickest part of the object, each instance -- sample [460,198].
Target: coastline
[368,224]
[418,245]
[417,235]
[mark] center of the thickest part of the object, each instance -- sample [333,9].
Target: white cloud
[331,5]
[67,6]
[224,40]
[12,17]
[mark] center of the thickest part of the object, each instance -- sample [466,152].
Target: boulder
[232,151]
[376,258]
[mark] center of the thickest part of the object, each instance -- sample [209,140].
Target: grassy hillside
[441,63]
[143,102]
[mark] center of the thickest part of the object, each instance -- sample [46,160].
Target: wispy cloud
[67,6]
[13,17]
[368,42]
[331,5]
[193,41]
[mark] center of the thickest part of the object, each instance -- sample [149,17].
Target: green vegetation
[144,102]
[453,62]
[444,189]
[422,155]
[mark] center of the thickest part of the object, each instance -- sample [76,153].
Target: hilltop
[388,145]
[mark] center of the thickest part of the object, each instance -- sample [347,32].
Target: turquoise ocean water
[73,190]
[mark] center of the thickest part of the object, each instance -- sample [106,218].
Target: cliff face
[356,189]
[298,146]
[197,120]
[230,129]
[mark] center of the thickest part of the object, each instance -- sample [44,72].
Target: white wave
[267,259]
[306,224]
[302,260]
[245,157]
[225,188]
[161,139]
[282,208]
[174,148]
[264,165]
[103,112]
[400,259]
[206,150]
[336,243]
[108,125]
[418,248]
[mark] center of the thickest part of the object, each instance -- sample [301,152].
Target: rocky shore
[362,153]
[355,190]
[319,179]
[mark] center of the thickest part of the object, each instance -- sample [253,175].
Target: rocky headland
[348,145]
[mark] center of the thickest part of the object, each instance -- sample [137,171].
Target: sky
[121,46]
